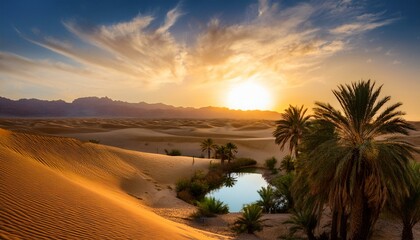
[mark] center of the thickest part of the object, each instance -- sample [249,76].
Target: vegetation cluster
[350,162]
[194,189]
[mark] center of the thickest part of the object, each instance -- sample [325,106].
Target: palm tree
[287,164]
[310,186]
[407,208]
[363,159]
[230,180]
[291,127]
[232,149]
[250,221]
[209,207]
[208,145]
[303,220]
[222,152]
[267,199]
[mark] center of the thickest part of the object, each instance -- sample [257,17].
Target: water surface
[244,190]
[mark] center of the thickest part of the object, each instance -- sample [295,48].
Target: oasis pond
[240,189]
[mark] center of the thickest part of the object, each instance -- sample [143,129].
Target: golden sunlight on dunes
[53,187]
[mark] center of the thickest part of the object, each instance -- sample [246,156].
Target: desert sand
[63,188]
[54,183]
[253,137]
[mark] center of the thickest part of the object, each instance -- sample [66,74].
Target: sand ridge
[55,187]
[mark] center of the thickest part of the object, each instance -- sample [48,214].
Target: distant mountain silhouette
[106,107]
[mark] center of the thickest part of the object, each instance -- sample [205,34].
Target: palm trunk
[310,235]
[360,219]
[407,233]
[343,225]
[208,153]
[334,223]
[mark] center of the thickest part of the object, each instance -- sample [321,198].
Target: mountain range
[108,108]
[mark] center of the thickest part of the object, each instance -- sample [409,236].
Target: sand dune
[253,137]
[54,187]
[66,188]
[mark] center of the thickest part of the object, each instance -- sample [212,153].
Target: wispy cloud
[362,22]
[276,44]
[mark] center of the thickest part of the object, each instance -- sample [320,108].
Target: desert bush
[215,178]
[196,187]
[182,184]
[238,164]
[209,207]
[303,220]
[250,221]
[94,141]
[186,196]
[244,162]
[271,164]
[199,188]
[198,175]
[173,152]
[287,164]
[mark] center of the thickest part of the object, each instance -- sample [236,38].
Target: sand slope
[53,187]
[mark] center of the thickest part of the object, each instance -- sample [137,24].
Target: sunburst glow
[249,96]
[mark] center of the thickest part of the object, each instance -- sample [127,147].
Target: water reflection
[230,180]
[240,189]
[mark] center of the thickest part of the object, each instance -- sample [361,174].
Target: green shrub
[173,152]
[215,178]
[199,188]
[182,184]
[303,220]
[196,187]
[209,207]
[287,164]
[250,221]
[238,164]
[268,199]
[200,183]
[283,192]
[271,163]
[244,162]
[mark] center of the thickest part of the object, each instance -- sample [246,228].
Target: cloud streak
[276,44]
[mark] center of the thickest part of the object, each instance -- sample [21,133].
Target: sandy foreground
[65,187]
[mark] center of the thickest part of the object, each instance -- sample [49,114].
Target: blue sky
[192,53]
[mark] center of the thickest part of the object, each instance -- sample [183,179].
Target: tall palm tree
[364,157]
[407,208]
[319,142]
[222,152]
[232,149]
[291,127]
[208,145]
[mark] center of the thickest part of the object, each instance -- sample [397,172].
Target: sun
[249,96]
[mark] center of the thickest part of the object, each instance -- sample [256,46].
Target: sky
[239,54]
